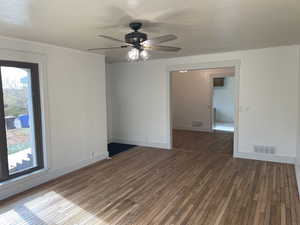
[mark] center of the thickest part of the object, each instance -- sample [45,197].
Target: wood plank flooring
[151,186]
[217,141]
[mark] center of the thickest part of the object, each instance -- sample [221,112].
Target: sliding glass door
[20,119]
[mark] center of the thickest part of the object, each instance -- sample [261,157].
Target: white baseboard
[262,157]
[192,129]
[297,169]
[18,185]
[140,143]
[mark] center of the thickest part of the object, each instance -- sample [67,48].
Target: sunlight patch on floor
[36,211]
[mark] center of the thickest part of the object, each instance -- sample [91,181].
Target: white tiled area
[229,127]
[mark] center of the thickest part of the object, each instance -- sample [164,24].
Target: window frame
[38,131]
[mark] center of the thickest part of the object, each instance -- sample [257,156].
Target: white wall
[223,101]
[298,120]
[268,101]
[74,107]
[191,98]
[297,166]
[109,105]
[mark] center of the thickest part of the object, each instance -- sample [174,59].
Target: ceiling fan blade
[162,48]
[95,49]
[165,38]
[110,38]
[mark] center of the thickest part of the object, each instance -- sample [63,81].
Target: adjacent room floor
[227,127]
[196,183]
[221,142]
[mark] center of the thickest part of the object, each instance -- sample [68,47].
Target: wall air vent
[197,124]
[263,149]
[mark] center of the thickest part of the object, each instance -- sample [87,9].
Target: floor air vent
[264,149]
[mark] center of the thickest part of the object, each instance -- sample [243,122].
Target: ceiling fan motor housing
[135,38]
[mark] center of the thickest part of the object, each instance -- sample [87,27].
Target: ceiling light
[183,71]
[136,54]
[133,54]
[144,55]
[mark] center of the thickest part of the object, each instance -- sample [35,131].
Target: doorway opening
[223,102]
[203,109]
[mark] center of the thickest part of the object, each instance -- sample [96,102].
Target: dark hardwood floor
[151,186]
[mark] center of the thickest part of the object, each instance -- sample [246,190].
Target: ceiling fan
[140,44]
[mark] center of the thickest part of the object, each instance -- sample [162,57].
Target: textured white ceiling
[203,26]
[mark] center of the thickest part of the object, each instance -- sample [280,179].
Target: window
[20,119]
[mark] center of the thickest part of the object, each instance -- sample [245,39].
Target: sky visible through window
[14,77]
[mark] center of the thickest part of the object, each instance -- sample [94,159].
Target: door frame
[201,66]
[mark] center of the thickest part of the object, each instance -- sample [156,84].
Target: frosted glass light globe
[133,54]
[144,55]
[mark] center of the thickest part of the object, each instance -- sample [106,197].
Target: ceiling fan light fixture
[139,44]
[133,54]
[144,55]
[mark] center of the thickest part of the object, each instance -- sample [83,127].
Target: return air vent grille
[197,124]
[264,149]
